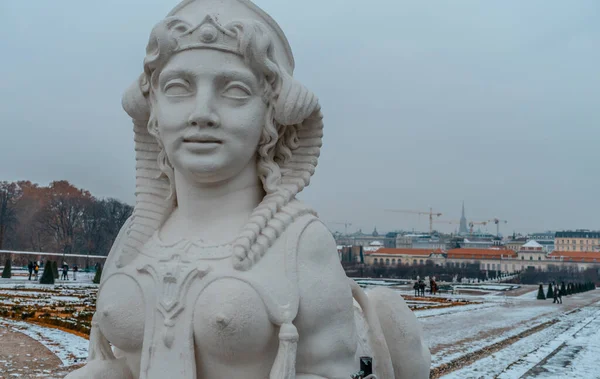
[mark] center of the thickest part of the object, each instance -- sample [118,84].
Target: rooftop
[578,234]
[580,256]
[417,252]
[481,253]
[533,244]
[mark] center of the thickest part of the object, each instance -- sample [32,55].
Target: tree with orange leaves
[59,218]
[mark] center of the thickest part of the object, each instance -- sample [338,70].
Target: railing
[52,254]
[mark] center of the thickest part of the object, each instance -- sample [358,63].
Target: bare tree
[64,213]
[101,223]
[31,233]
[9,195]
[116,213]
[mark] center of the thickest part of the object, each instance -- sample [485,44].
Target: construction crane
[447,221]
[346,225]
[431,215]
[497,222]
[473,223]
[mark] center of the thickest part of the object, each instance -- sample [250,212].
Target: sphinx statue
[221,272]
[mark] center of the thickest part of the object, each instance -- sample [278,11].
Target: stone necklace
[198,249]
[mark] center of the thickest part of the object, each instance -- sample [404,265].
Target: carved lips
[201,142]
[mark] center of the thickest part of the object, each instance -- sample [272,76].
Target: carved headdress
[293,148]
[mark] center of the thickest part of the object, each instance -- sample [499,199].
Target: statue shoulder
[116,250]
[315,243]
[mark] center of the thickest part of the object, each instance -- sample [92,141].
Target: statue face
[210,112]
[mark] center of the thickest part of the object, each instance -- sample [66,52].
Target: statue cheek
[250,124]
[174,114]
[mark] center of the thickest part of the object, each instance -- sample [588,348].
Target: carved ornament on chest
[173,277]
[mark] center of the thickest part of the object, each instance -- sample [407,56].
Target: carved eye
[237,91]
[177,87]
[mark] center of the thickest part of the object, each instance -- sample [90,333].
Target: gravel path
[23,357]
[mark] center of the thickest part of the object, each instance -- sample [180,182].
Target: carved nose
[209,120]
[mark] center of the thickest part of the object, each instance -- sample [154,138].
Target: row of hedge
[565,290]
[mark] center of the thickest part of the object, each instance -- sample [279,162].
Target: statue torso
[184,302]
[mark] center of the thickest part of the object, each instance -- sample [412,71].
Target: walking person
[433,286]
[416,288]
[30,269]
[422,287]
[75,269]
[36,268]
[554,293]
[65,271]
[557,293]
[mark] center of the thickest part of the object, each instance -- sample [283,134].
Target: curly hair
[256,48]
[284,162]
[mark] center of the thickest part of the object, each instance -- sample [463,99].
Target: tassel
[99,346]
[285,361]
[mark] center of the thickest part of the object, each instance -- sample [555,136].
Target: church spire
[463,221]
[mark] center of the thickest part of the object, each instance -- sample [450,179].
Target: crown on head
[209,34]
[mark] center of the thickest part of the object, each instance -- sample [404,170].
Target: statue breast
[120,312]
[232,328]
[225,315]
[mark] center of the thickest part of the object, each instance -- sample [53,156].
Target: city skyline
[422,226]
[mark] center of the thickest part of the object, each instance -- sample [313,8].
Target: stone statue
[221,272]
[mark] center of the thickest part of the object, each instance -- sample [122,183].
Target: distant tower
[375,234]
[463,222]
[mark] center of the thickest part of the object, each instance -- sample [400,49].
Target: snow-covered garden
[473,331]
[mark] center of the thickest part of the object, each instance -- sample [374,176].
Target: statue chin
[234,283]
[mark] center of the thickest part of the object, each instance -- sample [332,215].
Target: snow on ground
[455,334]
[382,282]
[22,278]
[488,287]
[69,348]
[453,310]
[530,338]
[531,295]
[569,348]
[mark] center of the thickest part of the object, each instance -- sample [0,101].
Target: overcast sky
[427,104]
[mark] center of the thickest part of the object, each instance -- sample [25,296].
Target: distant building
[420,241]
[530,255]
[392,257]
[390,239]
[361,239]
[578,240]
[516,242]
[479,241]
[579,257]
[462,230]
[352,254]
[545,239]
[496,259]
[532,251]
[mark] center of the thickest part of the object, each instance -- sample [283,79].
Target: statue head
[216,95]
